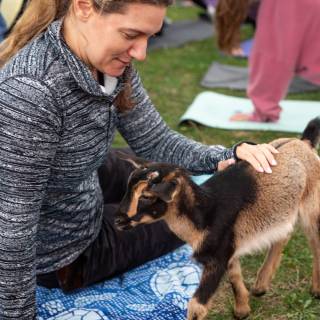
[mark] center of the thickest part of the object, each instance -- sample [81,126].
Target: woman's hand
[260,156]
[224,164]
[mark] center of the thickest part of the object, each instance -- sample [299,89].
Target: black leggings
[113,251]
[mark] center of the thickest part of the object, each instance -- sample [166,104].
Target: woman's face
[108,43]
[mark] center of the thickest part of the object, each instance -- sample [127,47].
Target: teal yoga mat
[214,110]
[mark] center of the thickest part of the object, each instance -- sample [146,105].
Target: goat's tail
[312,133]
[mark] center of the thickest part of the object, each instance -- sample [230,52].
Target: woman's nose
[139,50]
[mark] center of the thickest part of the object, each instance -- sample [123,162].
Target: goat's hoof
[258,292]
[196,311]
[241,313]
[195,316]
[315,293]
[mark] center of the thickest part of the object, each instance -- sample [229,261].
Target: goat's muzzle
[122,222]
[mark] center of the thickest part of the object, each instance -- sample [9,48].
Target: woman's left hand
[224,164]
[260,156]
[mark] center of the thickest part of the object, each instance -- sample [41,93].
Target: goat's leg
[269,268]
[314,241]
[241,294]
[199,305]
[310,222]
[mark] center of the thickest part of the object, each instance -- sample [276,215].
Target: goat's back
[280,196]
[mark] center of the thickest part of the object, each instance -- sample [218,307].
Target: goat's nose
[119,220]
[122,221]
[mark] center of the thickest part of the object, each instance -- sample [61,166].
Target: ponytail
[40,13]
[230,14]
[35,19]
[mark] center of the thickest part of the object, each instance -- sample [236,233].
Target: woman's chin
[115,72]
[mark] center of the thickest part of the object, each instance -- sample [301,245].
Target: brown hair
[229,16]
[39,14]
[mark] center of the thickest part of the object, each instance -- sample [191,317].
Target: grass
[172,77]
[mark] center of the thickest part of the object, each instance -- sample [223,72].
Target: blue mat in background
[214,110]
[158,290]
[246,47]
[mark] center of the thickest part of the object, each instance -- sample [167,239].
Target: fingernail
[268,170]
[274,162]
[260,169]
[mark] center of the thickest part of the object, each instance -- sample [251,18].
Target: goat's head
[152,191]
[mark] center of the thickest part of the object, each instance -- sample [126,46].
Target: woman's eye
[129,36]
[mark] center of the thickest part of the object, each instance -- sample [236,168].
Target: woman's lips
[125,63]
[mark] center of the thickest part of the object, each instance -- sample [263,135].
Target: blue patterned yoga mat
[158,290]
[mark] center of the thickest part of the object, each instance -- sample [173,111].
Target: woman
[286,44]
[67,83]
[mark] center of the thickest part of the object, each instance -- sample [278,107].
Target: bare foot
[237,52]
[241,117]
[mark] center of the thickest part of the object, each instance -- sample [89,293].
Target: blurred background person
[286,44]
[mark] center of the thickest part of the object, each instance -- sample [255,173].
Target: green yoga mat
[214,110]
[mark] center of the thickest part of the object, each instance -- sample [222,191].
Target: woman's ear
[83,9]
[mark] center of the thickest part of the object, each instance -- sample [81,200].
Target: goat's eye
[147,199]
[147,194]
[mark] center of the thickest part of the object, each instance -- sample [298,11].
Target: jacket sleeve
[150,138]
[29,126]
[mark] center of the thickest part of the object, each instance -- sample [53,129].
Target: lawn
[172,78]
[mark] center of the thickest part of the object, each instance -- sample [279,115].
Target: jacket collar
[78,68]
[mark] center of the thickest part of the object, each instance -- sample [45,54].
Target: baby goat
[236,212]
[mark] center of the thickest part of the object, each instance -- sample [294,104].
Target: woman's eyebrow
[132,30]
[138,32]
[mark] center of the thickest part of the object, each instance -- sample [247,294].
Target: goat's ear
[138,163]
[165,190]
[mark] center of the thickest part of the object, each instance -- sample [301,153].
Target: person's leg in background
[250,20]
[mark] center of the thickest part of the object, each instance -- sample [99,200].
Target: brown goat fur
[236,212]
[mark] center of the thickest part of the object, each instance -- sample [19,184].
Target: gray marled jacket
[56,125]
